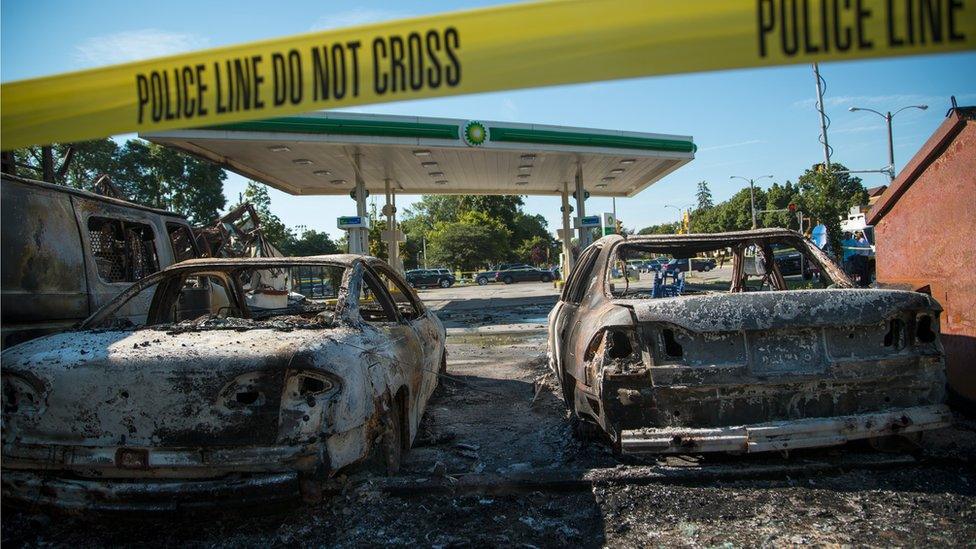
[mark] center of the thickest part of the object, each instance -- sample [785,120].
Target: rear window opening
[124,251]
[663,269]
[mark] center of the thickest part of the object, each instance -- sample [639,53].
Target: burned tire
[445,283]
[482,281]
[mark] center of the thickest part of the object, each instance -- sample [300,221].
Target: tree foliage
[438,218]
[704,196]
[822,198]
[468,242]
[146,173]
[310,242]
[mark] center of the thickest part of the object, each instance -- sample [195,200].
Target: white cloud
[732,145]
[120,47]
[353,17]
[879,102]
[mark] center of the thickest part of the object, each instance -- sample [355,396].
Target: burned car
[224,394]
[749,363]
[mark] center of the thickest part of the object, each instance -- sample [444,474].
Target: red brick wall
[929,238]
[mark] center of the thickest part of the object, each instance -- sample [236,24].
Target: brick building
[925,226]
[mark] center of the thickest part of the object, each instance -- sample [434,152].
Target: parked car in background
[752,368]
[424,278]
[524,273]
[490,275]
[218,398]
[699,264]
[66,252]
[790,263]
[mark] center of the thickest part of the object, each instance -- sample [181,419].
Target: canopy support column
[359,238]
[392,236]
[584,232]
[568,261]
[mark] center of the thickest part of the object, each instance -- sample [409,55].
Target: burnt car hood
[765,310]
[150,387]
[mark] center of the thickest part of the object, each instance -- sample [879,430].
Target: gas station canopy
[317,154]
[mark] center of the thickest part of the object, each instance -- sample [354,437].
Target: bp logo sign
[474,133]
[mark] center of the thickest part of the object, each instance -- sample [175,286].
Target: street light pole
[888,116]
[752,194]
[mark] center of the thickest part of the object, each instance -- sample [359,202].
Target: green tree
[662,228]
[473,241]
[310,242]
[827,197]
[537,250]
[144,172]
[704,196]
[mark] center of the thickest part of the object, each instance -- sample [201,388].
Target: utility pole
[424,242]
[824,120]
[752,194]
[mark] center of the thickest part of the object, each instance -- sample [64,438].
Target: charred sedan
[749,367]
[230,392]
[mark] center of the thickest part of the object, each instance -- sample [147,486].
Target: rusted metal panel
[924,227]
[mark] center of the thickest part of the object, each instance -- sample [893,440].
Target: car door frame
[427,362]
[566,316]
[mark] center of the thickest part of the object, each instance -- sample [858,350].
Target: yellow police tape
[513,46]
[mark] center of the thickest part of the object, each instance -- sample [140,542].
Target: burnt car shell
[213,413]
[746,371]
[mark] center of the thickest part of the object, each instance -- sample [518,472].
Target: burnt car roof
[705,241]
[709,238]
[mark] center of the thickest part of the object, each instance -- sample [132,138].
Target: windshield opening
[661,269]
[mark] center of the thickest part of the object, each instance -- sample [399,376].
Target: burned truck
[745,360]
[66,252]
[221,397]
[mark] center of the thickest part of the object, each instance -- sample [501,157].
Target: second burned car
[229,392]
[746,364]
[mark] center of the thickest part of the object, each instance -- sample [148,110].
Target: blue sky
[745,122]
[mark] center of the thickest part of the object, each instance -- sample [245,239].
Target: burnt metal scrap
[237,234]
[742,370]
[214,401]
